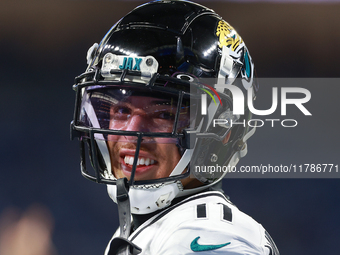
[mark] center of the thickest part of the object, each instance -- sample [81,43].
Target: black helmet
[170,58]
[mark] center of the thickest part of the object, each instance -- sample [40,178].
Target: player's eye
[165,115]
[120,112]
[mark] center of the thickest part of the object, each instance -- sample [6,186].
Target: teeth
[141,161]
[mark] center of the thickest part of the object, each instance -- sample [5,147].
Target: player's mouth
[146,163]
[141,161]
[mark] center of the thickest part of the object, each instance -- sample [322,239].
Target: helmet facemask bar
[100,172]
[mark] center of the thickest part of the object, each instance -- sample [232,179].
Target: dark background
[43,46]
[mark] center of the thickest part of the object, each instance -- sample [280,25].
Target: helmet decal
[206,91]
[235,56]
[130,64]
[146,65]
[247,63]
[228,36]
[247,71]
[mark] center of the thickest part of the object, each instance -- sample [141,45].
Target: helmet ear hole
[226,138]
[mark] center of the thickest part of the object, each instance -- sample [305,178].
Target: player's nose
[139,122]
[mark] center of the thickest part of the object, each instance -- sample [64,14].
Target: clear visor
[128,110]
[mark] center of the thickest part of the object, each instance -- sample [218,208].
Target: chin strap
[123,207]
[121,245]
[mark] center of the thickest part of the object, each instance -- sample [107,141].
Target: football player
[144,114]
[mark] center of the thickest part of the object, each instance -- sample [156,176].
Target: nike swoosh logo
[198,247]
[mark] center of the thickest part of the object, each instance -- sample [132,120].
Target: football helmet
[146,104]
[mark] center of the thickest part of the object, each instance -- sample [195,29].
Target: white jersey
[205,223]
